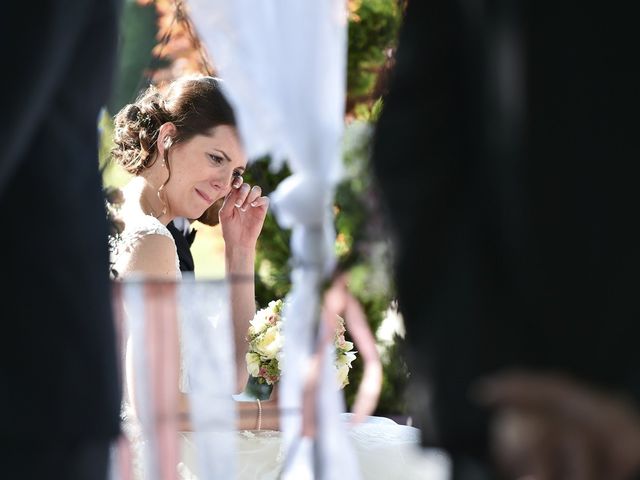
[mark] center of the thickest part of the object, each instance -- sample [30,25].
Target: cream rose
[345,359]
[259,322]
[345,346]
[269,343]
[343,375]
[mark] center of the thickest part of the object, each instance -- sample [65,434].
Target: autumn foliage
[178,42]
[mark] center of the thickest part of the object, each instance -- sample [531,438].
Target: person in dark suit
[184,240]
[186,234]
[504,155]
[60,394]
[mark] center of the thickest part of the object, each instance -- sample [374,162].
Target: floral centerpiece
[266,340]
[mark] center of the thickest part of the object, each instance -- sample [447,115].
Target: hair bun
[132,112]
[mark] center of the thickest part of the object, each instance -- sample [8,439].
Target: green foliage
[105,130]
[361,248]
[363,251]
[363,112]
[361,243]
[373,29]
[138,32]
[394,380]
[273,251]
[112,174]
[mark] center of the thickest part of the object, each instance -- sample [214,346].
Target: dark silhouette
[184,240]
[506,155]
[183,246]
[58,374]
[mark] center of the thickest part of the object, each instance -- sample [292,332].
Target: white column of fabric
[207,349]
[284,68]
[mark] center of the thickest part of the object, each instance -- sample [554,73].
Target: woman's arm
[240,271]
[249,415]
[241,218]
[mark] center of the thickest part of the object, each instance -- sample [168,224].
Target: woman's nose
[223,183]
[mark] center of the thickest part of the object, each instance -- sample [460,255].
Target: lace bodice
[136,228]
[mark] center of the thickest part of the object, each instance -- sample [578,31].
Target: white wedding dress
[138,226]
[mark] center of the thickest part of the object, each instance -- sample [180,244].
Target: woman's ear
[166,132]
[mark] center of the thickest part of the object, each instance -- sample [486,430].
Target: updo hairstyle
[194,104]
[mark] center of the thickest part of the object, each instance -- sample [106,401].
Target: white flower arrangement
[266,339]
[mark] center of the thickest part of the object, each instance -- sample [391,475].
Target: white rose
[253,363]
[343,375]
[269,343]
[259,322]
[345,358]
[273,304]
[345,346]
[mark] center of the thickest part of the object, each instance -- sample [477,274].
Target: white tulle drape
[207,350]
[283,63]
[151,317]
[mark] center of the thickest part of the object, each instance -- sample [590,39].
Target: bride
[183,151]
[182,148]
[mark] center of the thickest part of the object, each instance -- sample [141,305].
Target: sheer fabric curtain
[175,336]
[284,68]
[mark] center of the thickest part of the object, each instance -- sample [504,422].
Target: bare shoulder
[152,255]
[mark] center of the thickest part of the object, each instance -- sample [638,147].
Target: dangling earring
[164,205]
[167,145]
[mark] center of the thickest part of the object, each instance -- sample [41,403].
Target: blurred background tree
[159,44]
[138,31]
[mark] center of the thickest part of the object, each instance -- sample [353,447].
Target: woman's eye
[217,159]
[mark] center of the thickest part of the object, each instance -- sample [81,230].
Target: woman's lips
[204,196]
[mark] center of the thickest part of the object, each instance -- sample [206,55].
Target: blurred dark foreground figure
[507,156]
[59,388]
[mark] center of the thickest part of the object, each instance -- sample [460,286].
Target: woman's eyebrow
[224,154]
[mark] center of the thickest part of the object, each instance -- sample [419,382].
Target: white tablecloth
[385,450]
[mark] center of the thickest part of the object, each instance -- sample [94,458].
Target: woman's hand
[242,216]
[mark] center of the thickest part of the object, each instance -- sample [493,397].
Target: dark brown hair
[194,104]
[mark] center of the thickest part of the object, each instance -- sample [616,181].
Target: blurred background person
[58,375]
[506,156]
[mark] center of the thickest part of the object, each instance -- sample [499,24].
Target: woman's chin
[197,213]
[210,215]
[192,213]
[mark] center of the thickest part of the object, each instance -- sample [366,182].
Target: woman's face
[202,171]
